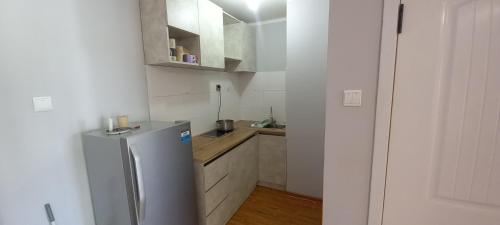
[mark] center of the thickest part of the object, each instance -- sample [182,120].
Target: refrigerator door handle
[141,204]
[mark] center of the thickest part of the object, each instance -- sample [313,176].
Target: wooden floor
[271,207]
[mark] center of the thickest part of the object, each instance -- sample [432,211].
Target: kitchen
[84,62]
[221,74]
[344,112]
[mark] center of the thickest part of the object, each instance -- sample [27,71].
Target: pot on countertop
[224,125]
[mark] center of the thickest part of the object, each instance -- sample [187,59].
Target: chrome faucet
[273,122]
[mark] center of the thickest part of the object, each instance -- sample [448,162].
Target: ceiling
[268,9]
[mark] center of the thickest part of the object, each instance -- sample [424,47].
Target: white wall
[271,45]
[355,30]
[186,94]
[87,55]
[307,34]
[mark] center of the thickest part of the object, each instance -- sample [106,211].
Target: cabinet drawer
[220,215]
[216,195]
[216,170]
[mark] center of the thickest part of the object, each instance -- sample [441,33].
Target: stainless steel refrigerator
[144,177]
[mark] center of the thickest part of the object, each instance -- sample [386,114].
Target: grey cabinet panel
[216,195]
[233,35]
[248,58]
[244,172]
[211,34]
[241,165]
[212,184]
[220,215]
[199,175]
[240,47]
[154,31]
[216,170]
[183,14]
[272,161]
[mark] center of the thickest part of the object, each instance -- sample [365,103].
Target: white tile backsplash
[259,92]
[185,94]
[275,99]
[273,81]
[166,108]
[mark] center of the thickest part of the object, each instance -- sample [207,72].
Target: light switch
[42,104]
[352,98]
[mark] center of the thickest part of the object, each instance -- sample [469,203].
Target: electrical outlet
[218,87]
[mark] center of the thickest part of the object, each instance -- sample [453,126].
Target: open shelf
[177,33]
[184,63]
[232,59]
[189,41]
[180,64]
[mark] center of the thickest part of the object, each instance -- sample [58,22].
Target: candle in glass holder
[123,121]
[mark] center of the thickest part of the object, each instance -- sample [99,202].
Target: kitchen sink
[268,124]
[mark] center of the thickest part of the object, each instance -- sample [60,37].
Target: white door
[444,150]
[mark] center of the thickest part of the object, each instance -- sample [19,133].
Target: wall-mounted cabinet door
[272,161]
[183,14]
[240,47]
[249,51]
[233,35]
[211,34]
[243,172]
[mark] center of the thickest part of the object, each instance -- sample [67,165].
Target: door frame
[387,69]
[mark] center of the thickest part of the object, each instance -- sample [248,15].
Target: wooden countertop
[206,148]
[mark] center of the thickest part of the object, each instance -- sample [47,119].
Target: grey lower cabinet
[224,184]
[244,173]
[272,161]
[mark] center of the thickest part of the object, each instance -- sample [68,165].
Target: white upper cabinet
[202,29]
[233,35]
[183,14]
[211,34]
[240,47]
[249,51]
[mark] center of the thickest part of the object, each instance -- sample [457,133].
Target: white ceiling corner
[268,9]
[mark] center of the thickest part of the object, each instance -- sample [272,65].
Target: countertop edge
[217,147]
[226,149]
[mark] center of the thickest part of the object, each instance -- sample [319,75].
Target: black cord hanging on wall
[218,87]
